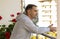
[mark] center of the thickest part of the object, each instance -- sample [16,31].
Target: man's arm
[31,27]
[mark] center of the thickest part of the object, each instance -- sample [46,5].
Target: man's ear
[28,11]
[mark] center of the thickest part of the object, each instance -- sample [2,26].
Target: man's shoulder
[25,18]
[21,16]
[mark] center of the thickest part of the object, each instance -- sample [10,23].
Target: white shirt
[24,27]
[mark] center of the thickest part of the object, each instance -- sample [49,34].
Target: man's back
[19,31]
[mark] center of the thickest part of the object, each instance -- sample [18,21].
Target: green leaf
[3,25]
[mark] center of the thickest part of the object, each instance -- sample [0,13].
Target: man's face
[33,12]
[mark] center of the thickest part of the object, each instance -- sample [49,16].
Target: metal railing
[45,36]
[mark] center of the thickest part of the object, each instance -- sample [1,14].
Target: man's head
[31,10]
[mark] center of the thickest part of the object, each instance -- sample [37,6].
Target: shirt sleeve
[43,29]
[31,27]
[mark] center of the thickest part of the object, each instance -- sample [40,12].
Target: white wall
[58,23]
[7,7]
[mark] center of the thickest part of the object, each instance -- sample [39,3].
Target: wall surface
[8,7]
[58,16]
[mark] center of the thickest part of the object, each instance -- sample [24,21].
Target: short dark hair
[29,6]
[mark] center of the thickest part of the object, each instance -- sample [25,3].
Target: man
[24,25]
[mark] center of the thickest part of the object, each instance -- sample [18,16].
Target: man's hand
[50,25]
[52,29]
